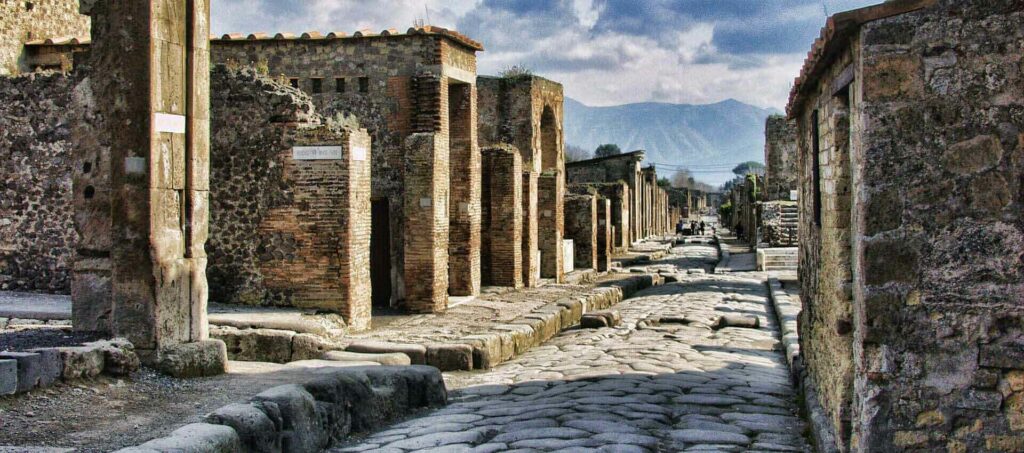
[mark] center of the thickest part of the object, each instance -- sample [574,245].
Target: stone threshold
[36,368]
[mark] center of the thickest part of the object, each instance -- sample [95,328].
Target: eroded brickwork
[605,234]
[550,224]
[581,227]
[37,234]
[617,194]
[912,282]
[502,208]
[36,20]
[780,158]
[426,234]
[286,231]
[621,168]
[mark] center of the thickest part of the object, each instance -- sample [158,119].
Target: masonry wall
[550,225]
[283,231]
[780,157]
[24,21]
[605,235]
[396,86]
[939,230]
[502,229]
[581,226]
[37,234]
[617,195]
[826,333]
[622,168]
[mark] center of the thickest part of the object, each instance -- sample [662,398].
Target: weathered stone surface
[450,357]
[417,353]
[8,376]
[198,359]
[197,437]
[303,429]
[256,431]
[391,359]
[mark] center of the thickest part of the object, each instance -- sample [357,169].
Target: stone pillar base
[189,360]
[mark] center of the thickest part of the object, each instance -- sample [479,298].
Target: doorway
[380,253]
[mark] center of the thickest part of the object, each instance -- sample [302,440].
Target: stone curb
[312,416]
[476,351]
[42,367]
[787,312]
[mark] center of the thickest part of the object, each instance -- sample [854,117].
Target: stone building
[912,227]
[501,239]
[36,21]
[617,195]
[526,113]
[415,93]
[778,218]
[290,210]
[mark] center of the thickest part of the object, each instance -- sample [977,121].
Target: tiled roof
[315,35]
[835,36]
[311,35]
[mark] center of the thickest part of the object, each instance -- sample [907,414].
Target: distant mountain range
[709,139]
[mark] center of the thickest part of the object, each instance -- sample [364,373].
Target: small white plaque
[316,152]
[794,195]
[359,153]
[425,202]
[135,165]
[166,122]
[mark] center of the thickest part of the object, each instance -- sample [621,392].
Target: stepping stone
[417,353]
[701,436]
[388,359]
[741,321]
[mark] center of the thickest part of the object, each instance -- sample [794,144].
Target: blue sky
[605,52]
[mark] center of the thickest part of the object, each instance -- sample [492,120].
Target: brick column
[502,229]
[464,215]
[605,241]
[530,254]
[550,224]
[581,227]
[151,71]
[354,249]
[426,223]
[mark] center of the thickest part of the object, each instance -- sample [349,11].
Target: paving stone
[701,436]
[417,353]
[439,439]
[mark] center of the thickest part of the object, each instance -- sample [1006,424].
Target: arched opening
[549,149]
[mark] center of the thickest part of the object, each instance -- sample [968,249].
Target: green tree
[608,149]
[749,167]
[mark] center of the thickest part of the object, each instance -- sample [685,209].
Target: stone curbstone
[417,353]
[304,430]
[257,432]
[388,359]
[196,359]
[306,346]
[450,357]
[487,350]
[193,438]
[8,376]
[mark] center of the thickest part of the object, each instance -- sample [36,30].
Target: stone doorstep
[42,367]
[331,403]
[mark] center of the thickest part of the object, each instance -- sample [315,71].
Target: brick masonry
[581,227]
[912,280]
[550,224]
[285,231]
[502,208]
[780,157]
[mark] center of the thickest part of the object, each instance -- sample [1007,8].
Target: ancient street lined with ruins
[367,241]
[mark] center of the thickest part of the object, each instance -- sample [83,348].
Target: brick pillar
[151,71]
[530,254]
[625,221]
[426,223]
[502,229]
[605,240]
[354,248]
[464,216]
[550,223]
[581,227]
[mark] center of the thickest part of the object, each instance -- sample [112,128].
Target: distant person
[702,227]
[693,227]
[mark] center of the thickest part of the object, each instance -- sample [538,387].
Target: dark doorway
[380,253]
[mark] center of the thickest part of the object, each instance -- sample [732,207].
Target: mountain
[709,139]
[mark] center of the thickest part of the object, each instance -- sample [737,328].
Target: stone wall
[621,168]
[286,231]
[502,208]
[396,85]
[780,158]
[915,332]
[617,194]
[550,224]
[581,227]
[779,223]
[605,234]
[37,234]
[25,21]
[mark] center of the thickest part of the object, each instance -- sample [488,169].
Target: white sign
[358,153]
[166,122]
[794,195]
[316,153]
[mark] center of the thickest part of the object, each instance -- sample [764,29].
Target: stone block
[1005,354]
[741,321]
[575,311]
[392,359]
[119,358]
[81,362]
[600,319]
[303,428]
[8,376]
[486,350]
[308,346]
[417,353]
[196,437]
[256,431]
[522,336]
[29,366]
[450,357]
[197,359]
[262,345]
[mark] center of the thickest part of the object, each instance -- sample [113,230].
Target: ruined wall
[617,194]
[512,110]
[531,243]
[779,223]
[24,21]
[501,258]
[286,231]
[939,230]
[37,234]
[780,158]
[826,339]
[395,85]
[550,224]
[605,234]
[581,227]
[620,168]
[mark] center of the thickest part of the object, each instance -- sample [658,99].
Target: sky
[604,52]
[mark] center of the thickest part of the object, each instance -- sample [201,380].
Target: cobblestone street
[665,380]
